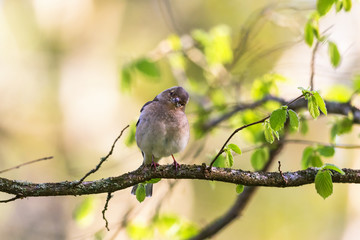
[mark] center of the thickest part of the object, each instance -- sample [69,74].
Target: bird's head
[177,96]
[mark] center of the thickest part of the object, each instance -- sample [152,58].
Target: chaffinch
[162,129]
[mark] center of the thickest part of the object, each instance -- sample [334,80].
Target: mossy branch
[112,184]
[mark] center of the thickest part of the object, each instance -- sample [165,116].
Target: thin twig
[11,199]
[309,142]
[229,138]
[312,65]
[282,175]
[109,196]
[26,163]
[103,159]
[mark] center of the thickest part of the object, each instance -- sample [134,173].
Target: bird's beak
[176,101]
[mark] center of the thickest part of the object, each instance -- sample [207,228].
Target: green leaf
[258,159]
[154,180]
[239,188]
[304,126]
[356,82]
[171,226]
[309,34]
[323,6]
[320,102]
[266,85]
[220,162]
[216,44]
[333,132]
[147,67]
[84,212]
[333,167]
[140,192]
[229,158]
[326,151]
[338,6]
[315,161]
[294,119]
[307,153]
[338,93]
[334,54]
[126,79]
[313,107]
[268,132]
[340,127]
[139,231]
[323,183]
[234,147]
[347,5]
[277,119]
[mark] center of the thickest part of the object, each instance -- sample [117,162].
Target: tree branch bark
[332,108]
[112,184]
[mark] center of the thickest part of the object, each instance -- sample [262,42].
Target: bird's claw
[176,165]
[154,165]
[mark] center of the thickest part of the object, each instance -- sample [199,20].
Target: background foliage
[74,74]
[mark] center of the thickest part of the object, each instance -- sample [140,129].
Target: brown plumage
[162,129]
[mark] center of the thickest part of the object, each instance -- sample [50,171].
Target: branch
[332,108]
[312,65]
[26,163]
[109,196]
[145,173]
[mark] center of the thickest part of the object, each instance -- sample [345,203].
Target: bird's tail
[148,189]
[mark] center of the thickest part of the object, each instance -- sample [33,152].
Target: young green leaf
[323,183]
[334,54]
[139,231]
[239,188]
[323,6]
[85,210]
[339,6]
[268,132]
[326,151]
[258,159]
[277,119]
[220,162]
[347,5]
[315,161]
[304,126]
[309,34]
[307,153]
[294,119]
[147,67]
[320,102]
[340,127]
[126,79]
[229,158]
[140,192]
[235,148]
[334,168]
[313,107]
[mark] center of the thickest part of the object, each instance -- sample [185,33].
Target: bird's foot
[154,165]
[175,163]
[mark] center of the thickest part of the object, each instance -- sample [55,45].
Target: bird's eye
[171,93]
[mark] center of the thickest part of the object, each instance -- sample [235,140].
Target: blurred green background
[64,93]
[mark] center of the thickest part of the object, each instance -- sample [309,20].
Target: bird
[162,129]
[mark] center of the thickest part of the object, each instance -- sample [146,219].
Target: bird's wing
[143,107]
